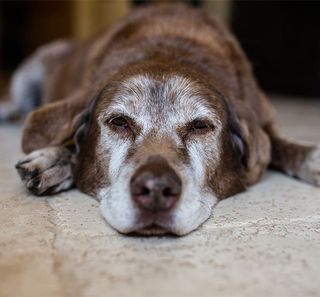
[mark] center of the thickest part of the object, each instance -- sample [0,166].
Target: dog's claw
[34,185]
[20,163]
[24,173]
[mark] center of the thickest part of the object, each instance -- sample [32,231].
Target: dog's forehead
[173,98]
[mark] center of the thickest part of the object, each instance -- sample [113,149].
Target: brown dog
[158,118]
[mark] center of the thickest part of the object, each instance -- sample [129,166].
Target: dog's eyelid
[108,118]
[200,124]
[122,124]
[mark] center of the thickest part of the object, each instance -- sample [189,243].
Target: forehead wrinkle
[180,87]
[133,95]
[171,100]
[187,99]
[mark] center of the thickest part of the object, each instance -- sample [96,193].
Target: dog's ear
[238,141]
[82,125]
[54,124]
[250,144]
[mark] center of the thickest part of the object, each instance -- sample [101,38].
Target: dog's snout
[156,186]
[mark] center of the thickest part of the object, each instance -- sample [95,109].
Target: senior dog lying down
[158,118]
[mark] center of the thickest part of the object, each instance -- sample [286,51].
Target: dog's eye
[199,126]
[122,125]
[119,122]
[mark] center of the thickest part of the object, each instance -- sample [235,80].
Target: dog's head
[158,152]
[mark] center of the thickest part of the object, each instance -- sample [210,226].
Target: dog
[158,118]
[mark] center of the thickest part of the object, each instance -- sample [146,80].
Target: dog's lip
[152,229]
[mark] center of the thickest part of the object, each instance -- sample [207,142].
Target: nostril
[144,191]
[167,192]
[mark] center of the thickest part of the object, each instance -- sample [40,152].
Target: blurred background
[282,39]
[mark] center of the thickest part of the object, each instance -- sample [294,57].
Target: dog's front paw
[310,169]
[46,171]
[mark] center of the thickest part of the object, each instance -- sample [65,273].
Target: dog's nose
[156,186]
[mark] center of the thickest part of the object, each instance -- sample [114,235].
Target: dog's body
[158,118]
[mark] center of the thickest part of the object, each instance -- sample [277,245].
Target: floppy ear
[238,142]
[251,144]
[53,124]
[82,124]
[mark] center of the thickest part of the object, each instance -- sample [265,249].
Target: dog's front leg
[47,171]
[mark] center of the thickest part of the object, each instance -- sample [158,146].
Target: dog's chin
[152,230]
[155,226]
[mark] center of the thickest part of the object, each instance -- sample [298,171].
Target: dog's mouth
[152,229]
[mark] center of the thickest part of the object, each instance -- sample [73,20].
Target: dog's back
[173,36]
